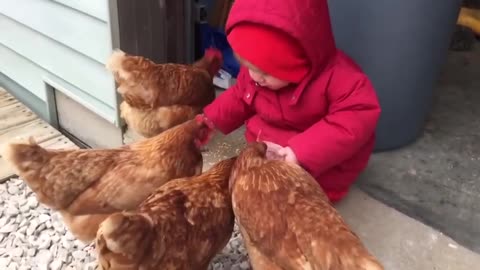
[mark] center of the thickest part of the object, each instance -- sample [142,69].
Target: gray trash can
[401,45]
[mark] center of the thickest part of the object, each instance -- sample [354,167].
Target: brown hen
[181,226]
[287,221]
[102,181]
[160,96]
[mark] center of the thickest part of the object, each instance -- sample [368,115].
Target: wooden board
[6,99]
[17,121]
[15,114]
[61,142]
[39,129]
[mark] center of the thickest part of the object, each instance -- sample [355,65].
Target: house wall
[59,42]
[53,53]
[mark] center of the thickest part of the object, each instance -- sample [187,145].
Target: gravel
[33,237]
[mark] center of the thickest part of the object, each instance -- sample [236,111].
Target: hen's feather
[146,85]
[149,123]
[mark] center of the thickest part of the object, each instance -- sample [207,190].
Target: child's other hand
[288,155]
[272,150]
[277,152]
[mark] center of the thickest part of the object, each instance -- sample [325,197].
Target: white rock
[13,190]
[16,252]
[44,257]
[21,200]
[244,265]
[13,266]
[43,218]
[8,228]
[19,219]
[70,267]
[22,229]
[62,254]
[59,227]
[56,265]
[42,210]
[31,252]
[79,254]
[45,243]
[55,238]
[24,267]
[12,211]
[80,244]
[90,266]
[32,202]
[66,243]
[31,228]
[24,208]
[25,222]
[4,262]
[54,249]
[69,236]
[3,221]
[9,241]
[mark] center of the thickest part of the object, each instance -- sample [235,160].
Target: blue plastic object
[216,38]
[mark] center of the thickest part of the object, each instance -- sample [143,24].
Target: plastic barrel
[401,45]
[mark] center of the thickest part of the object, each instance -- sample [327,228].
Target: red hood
[308,21]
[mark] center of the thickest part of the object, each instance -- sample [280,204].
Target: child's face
[261,78]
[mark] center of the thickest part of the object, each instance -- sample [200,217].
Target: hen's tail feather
[211,61]
[125,233]
[114,62]
[371,264]
[23,152]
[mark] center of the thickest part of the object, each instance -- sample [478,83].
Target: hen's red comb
[200,118]
[213,53]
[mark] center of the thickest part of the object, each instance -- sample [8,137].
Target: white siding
[63,41]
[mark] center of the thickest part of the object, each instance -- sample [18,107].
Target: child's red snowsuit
[328,120]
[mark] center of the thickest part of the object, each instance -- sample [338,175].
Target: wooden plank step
[61,142]
[15,114]
[37,128]
[6,99]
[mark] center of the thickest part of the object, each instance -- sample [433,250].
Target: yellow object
[470,18]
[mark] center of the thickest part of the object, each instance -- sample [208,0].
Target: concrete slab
[437,179]
[401,242]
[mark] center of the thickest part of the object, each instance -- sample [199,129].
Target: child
[297,91]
